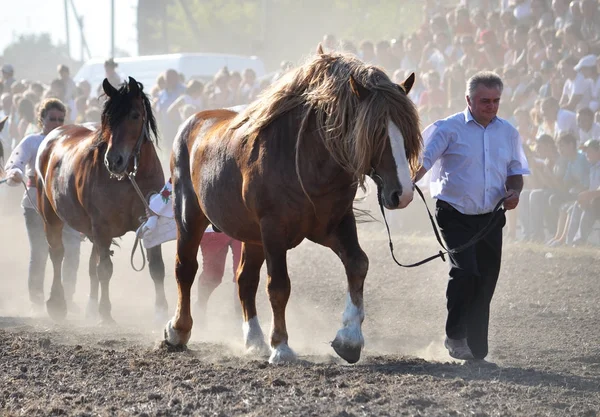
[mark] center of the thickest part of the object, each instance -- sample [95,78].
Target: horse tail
[184,197]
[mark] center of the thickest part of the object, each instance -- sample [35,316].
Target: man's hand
[14,176]
[512,199]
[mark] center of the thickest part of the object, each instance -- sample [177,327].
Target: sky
[48,16]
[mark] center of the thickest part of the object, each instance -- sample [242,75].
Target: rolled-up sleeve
[436,142]
[518,164]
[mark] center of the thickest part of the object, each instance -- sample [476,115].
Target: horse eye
[135,116]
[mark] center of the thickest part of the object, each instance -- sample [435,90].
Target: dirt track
[544,337]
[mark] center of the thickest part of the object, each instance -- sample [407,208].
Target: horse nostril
[118,161]
[395,198]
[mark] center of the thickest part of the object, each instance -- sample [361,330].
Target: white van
[145,69]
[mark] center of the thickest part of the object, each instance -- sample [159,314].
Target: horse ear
[320,49]
[407,84]
[358,89]
[108,88]
[134,88]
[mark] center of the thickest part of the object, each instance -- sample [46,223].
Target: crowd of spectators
[546,52]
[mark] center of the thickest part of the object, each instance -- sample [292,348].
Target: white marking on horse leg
[399,153]
[175,337]
[351,333]
[282,354]
[254,339]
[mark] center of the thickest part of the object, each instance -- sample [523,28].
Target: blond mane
[354,131]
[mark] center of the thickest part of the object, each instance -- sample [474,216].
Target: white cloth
[469,163]
[23,158]
[162,228]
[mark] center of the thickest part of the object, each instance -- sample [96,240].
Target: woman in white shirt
[20,168]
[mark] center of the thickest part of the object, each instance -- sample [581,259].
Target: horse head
[391,167]
[127,122]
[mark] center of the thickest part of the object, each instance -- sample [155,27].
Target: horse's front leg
[104,272]
[157,272]
[91,310]
[349,340]
[278,289]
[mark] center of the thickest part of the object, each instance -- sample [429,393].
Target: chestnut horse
[287,168]
[79,171]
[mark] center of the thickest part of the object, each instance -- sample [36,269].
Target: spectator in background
[193,97]
[587,210]
[8,76]
[65,76]
[249,86]
[590,24]
[110,72]
[173,89]
[579,93]
[366,52]
[588,129]
[329,42]
[555,120]
[26,112]
[433,95]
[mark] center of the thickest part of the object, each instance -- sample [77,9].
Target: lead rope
[476,238]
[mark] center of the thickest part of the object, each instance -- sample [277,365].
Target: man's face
[584,122]
[484,103]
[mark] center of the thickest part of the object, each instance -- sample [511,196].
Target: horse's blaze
[403,170]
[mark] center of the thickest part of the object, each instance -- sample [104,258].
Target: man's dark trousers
[473,274]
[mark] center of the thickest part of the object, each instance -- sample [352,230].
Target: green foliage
[276,29]
[35,57]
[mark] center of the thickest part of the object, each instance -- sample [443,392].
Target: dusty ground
[544,337]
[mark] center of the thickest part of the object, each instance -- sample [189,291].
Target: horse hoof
[57,308]
[174,337]
[348,352]
[282,354]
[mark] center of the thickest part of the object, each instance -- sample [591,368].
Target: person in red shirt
[433,96]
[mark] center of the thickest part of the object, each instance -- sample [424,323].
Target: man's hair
[567,138]
[586,111]
[486,78]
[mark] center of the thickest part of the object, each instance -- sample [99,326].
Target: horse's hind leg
[349,340]
[248,277]
[56,304]
[157,272]
[278,289]
[191,223]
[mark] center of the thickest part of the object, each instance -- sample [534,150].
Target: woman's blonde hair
[47,105]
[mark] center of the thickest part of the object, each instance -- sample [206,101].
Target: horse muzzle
[115,163]
[397,199]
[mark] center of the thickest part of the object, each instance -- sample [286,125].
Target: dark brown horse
[285,169]
[79,183]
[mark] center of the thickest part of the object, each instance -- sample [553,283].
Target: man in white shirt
[588,129]
[476,159]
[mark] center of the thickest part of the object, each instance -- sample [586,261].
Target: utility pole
[84,45]
[112,28]
[66,3]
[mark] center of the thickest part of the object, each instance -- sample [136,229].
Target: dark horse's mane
[116,108]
